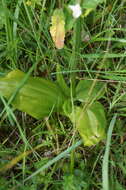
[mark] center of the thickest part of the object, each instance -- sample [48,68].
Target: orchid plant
[40,98]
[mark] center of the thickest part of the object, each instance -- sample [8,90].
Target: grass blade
[105,176]
[54,160]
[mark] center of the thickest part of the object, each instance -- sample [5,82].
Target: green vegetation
[62,95]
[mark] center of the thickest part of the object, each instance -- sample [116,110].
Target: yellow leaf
[57,29]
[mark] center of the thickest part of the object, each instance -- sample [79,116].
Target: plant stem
[73,66]
[75,51]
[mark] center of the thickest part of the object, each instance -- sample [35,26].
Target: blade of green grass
[10,42]
[33,27]
[102,55]
[54,160]
[16,15]
[105,165]
[10,112]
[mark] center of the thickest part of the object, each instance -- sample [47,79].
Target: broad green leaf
[86,92]
[38,97]
[67,107]
[90,5]
[90,123]
[61,82]
[57,28]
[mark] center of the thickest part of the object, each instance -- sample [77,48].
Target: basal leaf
[38,97]
[67,107]
[57,28]
[90,123]
[85,93]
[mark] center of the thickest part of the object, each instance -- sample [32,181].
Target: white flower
[76,10]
